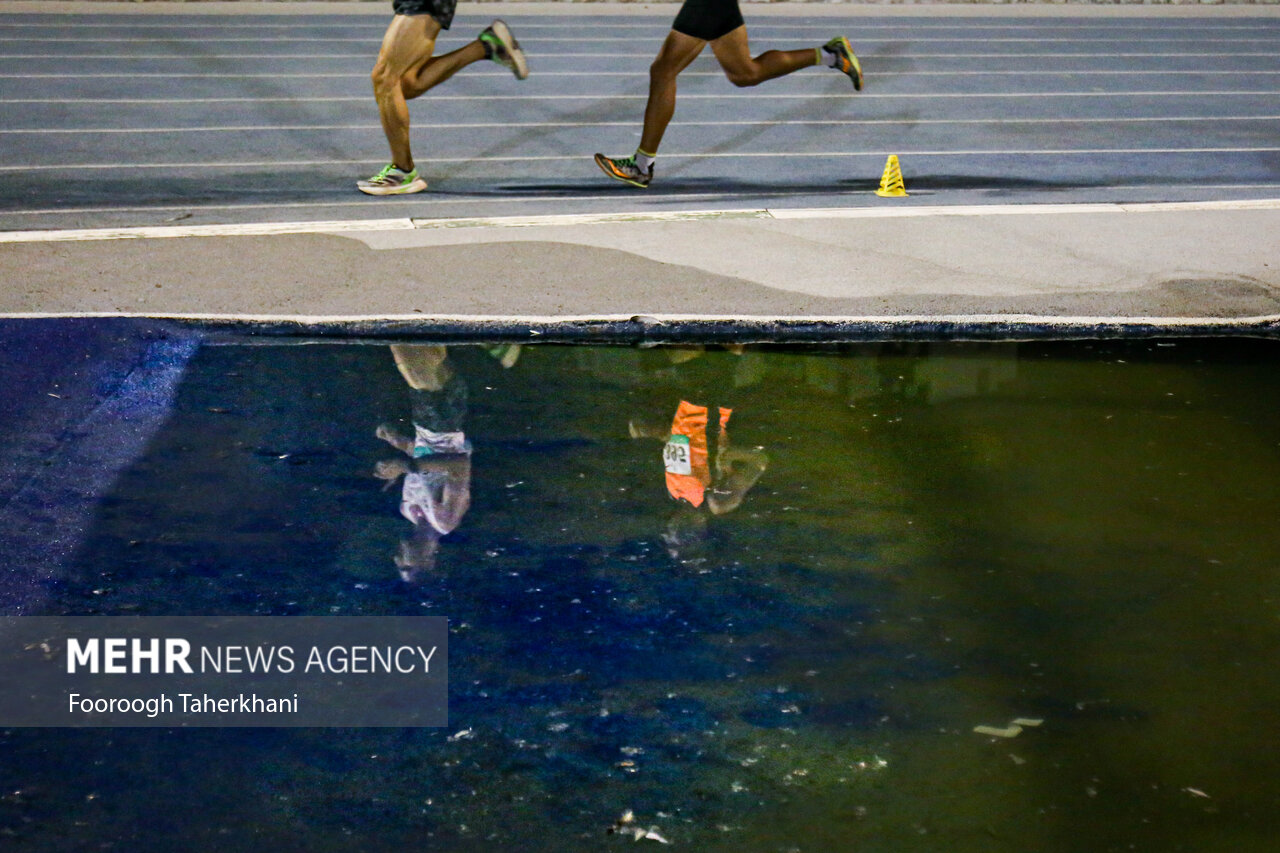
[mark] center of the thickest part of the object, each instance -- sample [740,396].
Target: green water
[913,540]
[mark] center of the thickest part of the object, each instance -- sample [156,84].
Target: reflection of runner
[720,23]
[702,467]
[406,69]
[436,492]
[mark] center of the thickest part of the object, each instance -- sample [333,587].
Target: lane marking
[584,219]
[438,126]
[1076,21]
[548,57]
[530,322]
[658,32]
[709,155]
[393,202]
[720,96]
[646,23]
[588,74]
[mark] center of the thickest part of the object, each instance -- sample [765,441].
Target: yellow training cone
[891,182]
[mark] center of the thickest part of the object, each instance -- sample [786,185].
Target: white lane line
[574,24]
[994,152]
[549,57]
[721,96]
[1025,209]
[591,75]
[416,202]
[203,40]
[487,125]
[880,322]
[163,231]
[397,202]
[648,23]
[583,219]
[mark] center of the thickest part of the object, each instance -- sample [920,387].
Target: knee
[662,72]
[383,78]
[743,77]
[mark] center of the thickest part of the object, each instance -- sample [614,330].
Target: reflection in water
[704,471]
[436,492]
[752,599]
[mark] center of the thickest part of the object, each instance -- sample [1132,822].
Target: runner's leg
[734,56]
[437,69]
[406,50]
[674,56]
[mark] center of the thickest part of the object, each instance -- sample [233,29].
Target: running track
[109,120]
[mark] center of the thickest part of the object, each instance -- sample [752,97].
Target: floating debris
[1012,730]
[625,825]
[464,734]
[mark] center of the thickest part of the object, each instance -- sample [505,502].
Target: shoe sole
[607,167]
[416,186]
[856,76]
[503,33]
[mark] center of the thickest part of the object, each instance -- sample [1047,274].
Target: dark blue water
[896,544]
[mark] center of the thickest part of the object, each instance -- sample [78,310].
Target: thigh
[678,51]
[708,19]
[732,51]
[408,43]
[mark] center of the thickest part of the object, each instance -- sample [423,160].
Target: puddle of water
[892,545]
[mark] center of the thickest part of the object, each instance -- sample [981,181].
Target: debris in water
[624,825]
[1012,730]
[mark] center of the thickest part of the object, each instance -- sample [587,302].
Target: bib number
[675,455]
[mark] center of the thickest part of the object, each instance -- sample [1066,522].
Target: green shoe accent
[624,169]
[501,47]
[846,61]
[392,181]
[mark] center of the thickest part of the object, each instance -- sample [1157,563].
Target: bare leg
[735,58]
[440,68]
[423,366]
[676,54]
[406,50]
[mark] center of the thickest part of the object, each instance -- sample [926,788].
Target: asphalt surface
[1068,168]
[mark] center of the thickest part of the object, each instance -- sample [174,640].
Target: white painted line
[1024,209]
[720,96]
[483,125]
[373,39]
[709,155]
[586,219]
[649,54]
[570,219]
[576,21]
[1083,322]
[260,229]
[591,75]
[377,28]
[416,202]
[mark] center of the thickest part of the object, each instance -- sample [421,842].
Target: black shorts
[441,10]
[441,411]
[708,19]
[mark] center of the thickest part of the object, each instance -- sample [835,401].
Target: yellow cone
[891,182]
